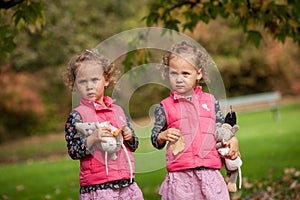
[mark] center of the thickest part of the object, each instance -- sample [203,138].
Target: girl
[187,121]
[90,73]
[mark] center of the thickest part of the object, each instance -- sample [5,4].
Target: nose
[179,78]
[89,85]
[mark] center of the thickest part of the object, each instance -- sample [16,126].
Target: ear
[199,75]
[106,83]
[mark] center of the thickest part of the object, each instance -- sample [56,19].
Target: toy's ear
[80,127]
[84,128]
[235,128]
[218,124]
[230,118]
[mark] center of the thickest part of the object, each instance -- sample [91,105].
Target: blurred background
[34,99]
[254,53]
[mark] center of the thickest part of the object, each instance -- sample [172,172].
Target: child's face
[90,81]
[183,76]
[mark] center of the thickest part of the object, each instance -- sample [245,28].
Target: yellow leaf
[228,8]
[281,2]
[293,23]
[20,188]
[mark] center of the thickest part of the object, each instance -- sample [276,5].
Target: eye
[95,79]
[186,74]
[82,81]
[172,73]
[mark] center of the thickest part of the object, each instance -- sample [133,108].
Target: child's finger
[175,132]
[106,132]
[103,140]
[125,128]
[127,137]
[172,137]
[126,132]
[232,154]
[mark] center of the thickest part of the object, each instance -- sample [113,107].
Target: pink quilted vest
[92,168]
[196,120]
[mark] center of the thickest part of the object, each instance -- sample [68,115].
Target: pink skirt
[207,184]
[132,192]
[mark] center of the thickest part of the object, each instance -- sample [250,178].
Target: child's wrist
[131,140]
[91,141]
[160,139]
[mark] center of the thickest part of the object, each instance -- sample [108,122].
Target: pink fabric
[196,120]
[92,168]
[194,185]
[132,192]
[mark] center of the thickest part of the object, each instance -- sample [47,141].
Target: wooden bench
[254,102]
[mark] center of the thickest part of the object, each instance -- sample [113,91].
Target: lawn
[267,144]
[267,147]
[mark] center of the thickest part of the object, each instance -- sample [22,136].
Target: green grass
[40,180]
[265,145]
[33,148]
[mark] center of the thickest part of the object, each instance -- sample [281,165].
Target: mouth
[179,86]
[91,95]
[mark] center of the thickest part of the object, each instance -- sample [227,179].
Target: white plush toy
[233,167]
[111,145]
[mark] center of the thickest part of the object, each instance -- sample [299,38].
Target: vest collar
[175,95]
[96,105]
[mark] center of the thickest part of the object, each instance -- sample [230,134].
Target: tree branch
[9,4]
[191,3]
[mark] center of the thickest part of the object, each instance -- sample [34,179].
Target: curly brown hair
[198,57]
[109,69]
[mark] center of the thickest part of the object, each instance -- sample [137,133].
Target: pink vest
[196,120]
[92,168]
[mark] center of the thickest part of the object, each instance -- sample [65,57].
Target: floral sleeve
[219,115]
[160,125]
[75,144]
[133,146]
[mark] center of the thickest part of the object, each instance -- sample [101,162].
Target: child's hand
[97,136]
[171,135]
[127,134]
[234,148]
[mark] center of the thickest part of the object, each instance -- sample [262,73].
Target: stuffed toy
[111,145]
[233,167]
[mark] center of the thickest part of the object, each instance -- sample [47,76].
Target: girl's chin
[90,98]
[184,92]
